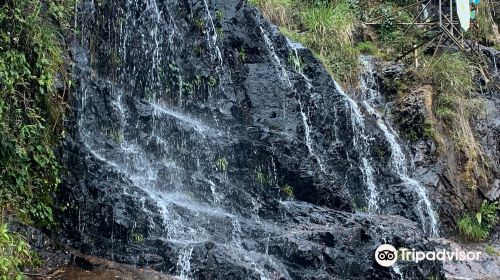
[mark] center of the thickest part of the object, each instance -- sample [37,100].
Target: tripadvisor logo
[386,255]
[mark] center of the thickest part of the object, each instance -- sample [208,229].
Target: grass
[477,227]
[455,105]
[325,27]
[471,230]
[280,12]
[367,48]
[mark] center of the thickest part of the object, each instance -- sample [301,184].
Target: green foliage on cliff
[326,27]
[455,105]
[477,227]
[14,254]
[33,87]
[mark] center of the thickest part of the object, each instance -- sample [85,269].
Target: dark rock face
[193,124]
[439,171]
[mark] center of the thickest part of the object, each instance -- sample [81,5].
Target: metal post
[451,16]
[440,14]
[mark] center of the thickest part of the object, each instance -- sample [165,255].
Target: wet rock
[217,157]
[412,112]
[487,267]
[86,267]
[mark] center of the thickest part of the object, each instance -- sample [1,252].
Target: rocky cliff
[205,144]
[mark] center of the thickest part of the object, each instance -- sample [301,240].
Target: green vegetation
[200,24]
[296,62]
[489,249]
[31,107]
[477,227]
[325,27]
[212,81]
[116,135]
[484,22]
[367,48]
[287,190]
[219,15]
[393,38]
[33,88]
[220,32]
[242,54]
[452,77]
[15,254]
[138,238]
[221,164]
[471,230]
[260,176]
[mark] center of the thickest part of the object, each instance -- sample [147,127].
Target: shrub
[31,108]
[14,254]
[478,227]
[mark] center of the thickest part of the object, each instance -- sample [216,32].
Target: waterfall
[207,181]
[370,96]
[360,143]
[286,78]
[184,264]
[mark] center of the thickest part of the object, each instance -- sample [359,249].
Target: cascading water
[370,98]
[185,157]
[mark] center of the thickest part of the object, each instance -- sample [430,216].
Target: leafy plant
[489,249]
[212,81]
[471,230]
[477,227]
[200,24]
[287,190]
[221,164]
[31,108]
[220,32]
[138,238]
[15,254]
[242,54]
[260,176]
[296,62]
[219,15]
